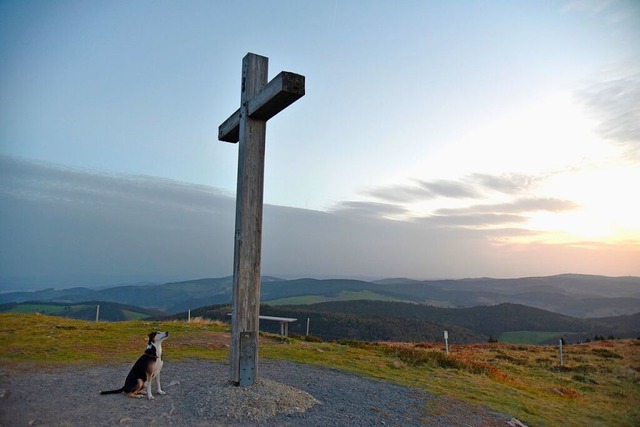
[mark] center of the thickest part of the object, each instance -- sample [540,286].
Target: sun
[608,212]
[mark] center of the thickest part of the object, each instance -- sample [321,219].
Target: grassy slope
[81,310]
[528,337]
[341,296]
[600,384]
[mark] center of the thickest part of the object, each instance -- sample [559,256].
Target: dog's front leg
[148,384]
[158,383]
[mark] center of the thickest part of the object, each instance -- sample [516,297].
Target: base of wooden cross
[248,352]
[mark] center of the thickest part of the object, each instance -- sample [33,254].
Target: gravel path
[198,394]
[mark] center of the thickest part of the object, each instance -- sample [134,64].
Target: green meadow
[528,337]
[341,296]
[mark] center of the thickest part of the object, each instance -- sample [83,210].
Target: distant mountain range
[574,295]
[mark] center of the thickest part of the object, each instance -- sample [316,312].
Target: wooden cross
[259,101]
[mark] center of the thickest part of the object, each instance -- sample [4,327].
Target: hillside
[570,294]
[170,297]
[493,320]
[395,321]
[573,295]
[112,312]
[337,325]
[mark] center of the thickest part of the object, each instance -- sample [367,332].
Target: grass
[61,309]
[528,337]
[599,384]
[38,308]
[55,341]
[341,296]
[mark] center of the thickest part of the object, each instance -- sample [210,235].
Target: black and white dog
[146,368]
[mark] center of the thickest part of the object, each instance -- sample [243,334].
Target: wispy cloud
[592,7]
[450,188]
[512,183]
[402,193]
[498,214]
[373,209]
[614,103]
[476,219]
[472,186]
[518,206]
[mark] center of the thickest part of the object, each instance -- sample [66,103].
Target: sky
[435,139]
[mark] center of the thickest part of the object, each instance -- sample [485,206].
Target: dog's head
[158,337]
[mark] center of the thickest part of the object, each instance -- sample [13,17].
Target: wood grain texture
[285,89]
[248,229]
[259,101]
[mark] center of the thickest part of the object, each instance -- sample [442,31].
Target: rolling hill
[569,294]
[83,311]
[396,321]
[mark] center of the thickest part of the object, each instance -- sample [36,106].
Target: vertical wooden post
[308,319]
[561,355]
[248,229]
[189,317]
[97,312]
[259,101]
[446,341]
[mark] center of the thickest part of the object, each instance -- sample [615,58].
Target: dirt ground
[288,394]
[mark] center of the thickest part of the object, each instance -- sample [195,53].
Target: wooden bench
[284,323]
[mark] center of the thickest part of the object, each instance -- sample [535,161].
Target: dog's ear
[151,336]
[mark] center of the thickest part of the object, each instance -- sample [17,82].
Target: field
[341,296]
[528,337]
[79,310]
[599,384]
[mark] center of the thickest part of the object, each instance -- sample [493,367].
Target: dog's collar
[153,355]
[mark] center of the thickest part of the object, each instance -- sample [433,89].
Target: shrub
[415,356]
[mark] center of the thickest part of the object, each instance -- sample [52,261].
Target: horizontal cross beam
[278,94]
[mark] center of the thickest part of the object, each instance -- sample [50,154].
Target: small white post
[446,341]
[308,319]
[97,312]
[189,318]
[561,355]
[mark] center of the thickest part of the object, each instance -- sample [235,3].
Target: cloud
[451,189]
[420,190]
[524,205]
[62,227]
[512,183]
[488,215]
[372,209]
[614,103]
[472,186]
[476,219]
[404,193]
[68,226]
[592,7]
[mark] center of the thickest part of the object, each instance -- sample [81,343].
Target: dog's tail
[120,390]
